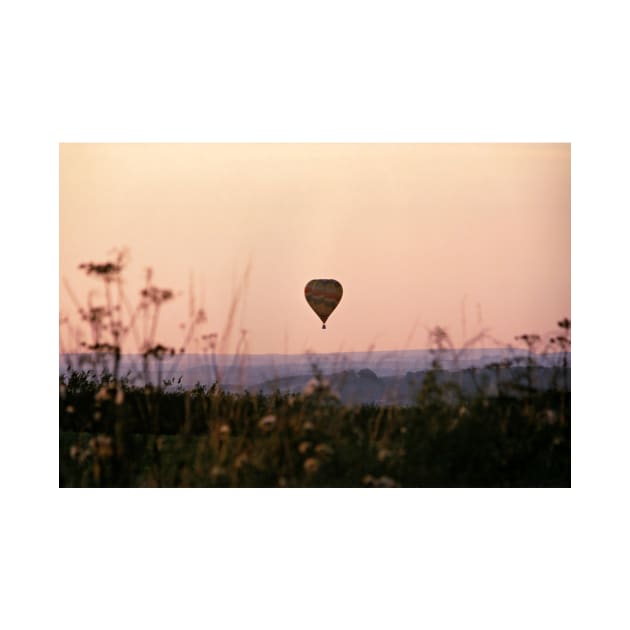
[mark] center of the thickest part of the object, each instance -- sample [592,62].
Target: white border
[298,71]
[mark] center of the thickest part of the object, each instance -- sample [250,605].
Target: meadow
[118,431]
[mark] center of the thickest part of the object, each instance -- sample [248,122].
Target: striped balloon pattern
[323,297]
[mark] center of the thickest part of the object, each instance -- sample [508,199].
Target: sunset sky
[464,236]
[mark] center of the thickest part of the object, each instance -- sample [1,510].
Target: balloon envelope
[323,297]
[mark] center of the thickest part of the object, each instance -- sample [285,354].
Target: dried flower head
[303,447]
[107,270]
[156,296]
[311,465]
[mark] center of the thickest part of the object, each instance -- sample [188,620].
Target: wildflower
[101,446]
[310,387]
[224,429]
[311,465]
[267,422]
[303,447]
[102,394]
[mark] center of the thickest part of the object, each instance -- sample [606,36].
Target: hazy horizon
[464,236]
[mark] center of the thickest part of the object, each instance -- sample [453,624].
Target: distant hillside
[252,371]
[365,386]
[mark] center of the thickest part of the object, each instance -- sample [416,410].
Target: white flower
[267,422]
[310,387]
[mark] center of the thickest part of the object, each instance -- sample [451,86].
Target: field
[115,434]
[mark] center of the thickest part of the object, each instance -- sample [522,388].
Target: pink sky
[462,236]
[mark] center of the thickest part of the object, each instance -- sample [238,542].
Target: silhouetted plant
[124,431]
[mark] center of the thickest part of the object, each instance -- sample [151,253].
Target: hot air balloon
[323,297]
